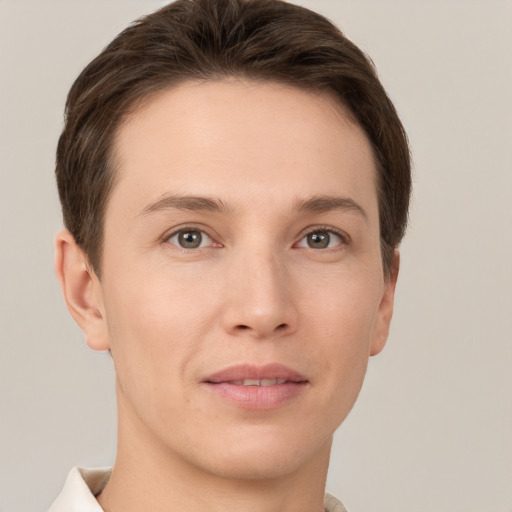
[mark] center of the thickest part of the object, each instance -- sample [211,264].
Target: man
[234,183]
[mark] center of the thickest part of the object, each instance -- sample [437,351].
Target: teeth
[251,382]
[259,382]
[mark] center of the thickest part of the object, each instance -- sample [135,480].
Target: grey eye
[318,239]
[321,239]
[190,239]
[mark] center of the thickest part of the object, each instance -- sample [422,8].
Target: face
[242,289]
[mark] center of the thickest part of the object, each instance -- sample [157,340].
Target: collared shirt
[82,485]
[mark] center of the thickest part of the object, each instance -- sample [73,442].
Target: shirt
[82,485]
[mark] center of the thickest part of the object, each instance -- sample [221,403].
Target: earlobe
[385,312]
[82,290]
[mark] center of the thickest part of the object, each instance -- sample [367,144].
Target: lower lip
[258,398]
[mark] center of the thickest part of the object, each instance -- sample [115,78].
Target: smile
[258,382]
[257,388]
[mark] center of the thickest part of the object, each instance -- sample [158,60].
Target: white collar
[80,489]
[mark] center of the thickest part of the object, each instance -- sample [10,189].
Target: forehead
[236,137]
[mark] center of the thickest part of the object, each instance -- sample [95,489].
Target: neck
[149,476]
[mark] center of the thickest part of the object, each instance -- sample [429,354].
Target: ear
[385,312]
[82,290]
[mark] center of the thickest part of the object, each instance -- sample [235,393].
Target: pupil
[318,240]
[190,239]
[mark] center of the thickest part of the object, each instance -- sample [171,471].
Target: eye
[321,239]
[190,239]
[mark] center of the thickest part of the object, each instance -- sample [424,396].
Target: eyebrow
[322,204]
[192,203]
[316,204]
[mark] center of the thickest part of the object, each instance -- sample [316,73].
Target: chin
[270,458]
[246,468]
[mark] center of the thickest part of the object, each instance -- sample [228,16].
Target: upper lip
[252,371]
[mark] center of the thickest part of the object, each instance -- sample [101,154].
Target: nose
[260,297]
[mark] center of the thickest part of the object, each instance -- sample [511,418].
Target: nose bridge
[260,299]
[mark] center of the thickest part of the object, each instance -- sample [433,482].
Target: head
[261,40]
[235,181]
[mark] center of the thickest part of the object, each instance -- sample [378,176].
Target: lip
[227,384]
[252,371]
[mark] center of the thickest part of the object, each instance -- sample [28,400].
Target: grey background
[433,426]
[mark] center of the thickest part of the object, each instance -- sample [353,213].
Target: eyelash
[190,229]
[344,238]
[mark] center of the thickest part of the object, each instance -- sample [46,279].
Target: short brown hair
[213,39]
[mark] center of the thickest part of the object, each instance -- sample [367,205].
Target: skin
[254,291]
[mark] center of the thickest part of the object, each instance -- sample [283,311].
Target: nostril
[280,327]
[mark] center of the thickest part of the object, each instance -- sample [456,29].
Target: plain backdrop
[432,429]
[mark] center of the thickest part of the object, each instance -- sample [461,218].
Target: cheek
[154,326]
[343,306]
[342,319]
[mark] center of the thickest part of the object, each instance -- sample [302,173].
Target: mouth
[258,382]
[253,387]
